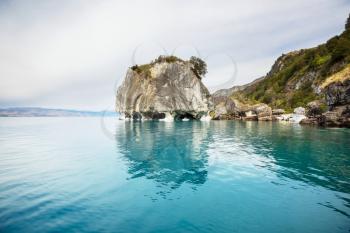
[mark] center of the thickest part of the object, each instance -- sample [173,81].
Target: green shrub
[199,66]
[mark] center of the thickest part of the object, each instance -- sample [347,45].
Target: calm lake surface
[78,175]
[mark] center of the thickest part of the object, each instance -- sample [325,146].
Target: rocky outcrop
[263,112]
[338,93]
[226,109]
[230,109]
[313,112]
[314,108]
[338,117]
[165,89]
[336,89]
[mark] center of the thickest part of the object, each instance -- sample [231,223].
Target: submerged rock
[167,89]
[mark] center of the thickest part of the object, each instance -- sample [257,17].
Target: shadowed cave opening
[178,116]
[183,115]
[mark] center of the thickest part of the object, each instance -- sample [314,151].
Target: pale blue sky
[73,54]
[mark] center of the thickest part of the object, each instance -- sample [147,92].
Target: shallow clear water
[76,175]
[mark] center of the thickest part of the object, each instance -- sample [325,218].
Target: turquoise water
[76,175]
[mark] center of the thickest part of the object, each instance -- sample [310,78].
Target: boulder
[310,121]
[338,117]
[260,112]
[277,112]
[263,112]
[314,109]
[299,111]
[227,108]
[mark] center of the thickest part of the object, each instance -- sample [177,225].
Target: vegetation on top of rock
[347,25]
[199,67]
[296,78]
[145,69]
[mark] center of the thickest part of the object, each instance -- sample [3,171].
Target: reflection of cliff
[170,154]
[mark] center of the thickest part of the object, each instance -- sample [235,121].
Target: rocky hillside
[168,88]
[319,75]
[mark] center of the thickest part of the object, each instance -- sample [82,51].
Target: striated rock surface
[165,89]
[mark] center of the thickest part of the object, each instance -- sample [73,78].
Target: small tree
[347,25]
[199,66]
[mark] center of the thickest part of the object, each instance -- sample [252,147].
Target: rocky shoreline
[334,111]
[170,89]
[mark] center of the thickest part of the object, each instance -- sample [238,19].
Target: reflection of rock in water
[169,153]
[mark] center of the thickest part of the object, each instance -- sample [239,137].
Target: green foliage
[347,24]
[323,107]
[142,69]
[302,96]
[278,88]
[199,66]
[145,69]
[168,59]
[342,49]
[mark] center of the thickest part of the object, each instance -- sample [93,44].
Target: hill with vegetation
[300,77]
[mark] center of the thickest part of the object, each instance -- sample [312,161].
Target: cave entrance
[184,115]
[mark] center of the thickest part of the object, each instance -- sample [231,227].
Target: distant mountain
[47,112]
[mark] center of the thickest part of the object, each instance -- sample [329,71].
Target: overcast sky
[73,54]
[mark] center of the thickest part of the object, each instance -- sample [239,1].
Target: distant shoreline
[48,112]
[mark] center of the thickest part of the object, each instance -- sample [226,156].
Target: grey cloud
[71,53]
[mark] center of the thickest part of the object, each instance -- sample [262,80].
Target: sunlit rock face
[164,90]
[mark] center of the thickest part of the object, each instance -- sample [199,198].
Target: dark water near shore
[72,175]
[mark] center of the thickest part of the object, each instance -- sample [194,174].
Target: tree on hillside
[347,25]
[199,66]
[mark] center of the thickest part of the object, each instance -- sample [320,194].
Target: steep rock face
[163,89]
[338,93]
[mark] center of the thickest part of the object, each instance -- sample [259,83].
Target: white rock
[205,118]
[299,111]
